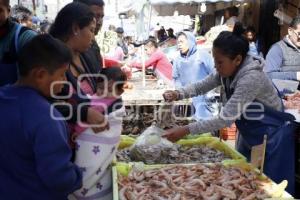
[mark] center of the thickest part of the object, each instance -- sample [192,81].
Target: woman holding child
[95,148]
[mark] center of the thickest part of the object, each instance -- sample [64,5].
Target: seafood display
[195,182]
[135,122]
[292,101]
[175,154]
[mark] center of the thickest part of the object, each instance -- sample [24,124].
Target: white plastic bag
[94,154]
[150,147]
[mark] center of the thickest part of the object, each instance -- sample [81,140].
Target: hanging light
[203,7]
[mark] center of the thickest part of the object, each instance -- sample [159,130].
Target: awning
[167,7]
[155,2]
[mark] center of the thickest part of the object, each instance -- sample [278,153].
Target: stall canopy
[168,7]
[144,9]
[154,2]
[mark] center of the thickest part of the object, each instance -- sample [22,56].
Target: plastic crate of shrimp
[205,149]
[194,182]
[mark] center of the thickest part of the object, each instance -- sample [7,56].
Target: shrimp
[138,176]
[215,196]
[198,181]
[122,193]
[158,183]
[157,197]
[225,192]
[249,197]
[177,196]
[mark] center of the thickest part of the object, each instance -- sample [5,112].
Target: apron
[280,150]
[9,72]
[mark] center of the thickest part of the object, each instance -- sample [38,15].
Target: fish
[176,154]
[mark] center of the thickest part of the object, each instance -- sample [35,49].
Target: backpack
[8,64]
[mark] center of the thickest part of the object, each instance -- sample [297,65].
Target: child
[95,151]
[35,154]
[106,100]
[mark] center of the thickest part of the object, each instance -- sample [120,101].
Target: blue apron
[9,71]
[280,150]
[280,130]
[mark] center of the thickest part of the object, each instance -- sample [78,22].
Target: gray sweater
[250,83]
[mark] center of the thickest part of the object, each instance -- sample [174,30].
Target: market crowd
[55,86]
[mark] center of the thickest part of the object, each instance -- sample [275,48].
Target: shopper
[95,152]
[22,15]
[75,26]
[35,153]
[93,53]
[13,37]
[283,59]
[254,43]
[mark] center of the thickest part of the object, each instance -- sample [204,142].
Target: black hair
[113,73]
[43,51]
[119,30]
[233,11]
[295,22]
[5,3]
[70,15]
[182,33]
[152,42]
[91,2]
[233,43]
[20,13]
[250,29]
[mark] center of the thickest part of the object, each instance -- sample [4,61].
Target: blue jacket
[192,68]
[34,150]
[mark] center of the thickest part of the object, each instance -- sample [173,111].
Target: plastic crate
[229,133]
[277,192]
[205,139]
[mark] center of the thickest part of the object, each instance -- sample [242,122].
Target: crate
[204,139]
[277,191]
[229,133]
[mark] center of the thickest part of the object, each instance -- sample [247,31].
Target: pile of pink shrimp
[195,182]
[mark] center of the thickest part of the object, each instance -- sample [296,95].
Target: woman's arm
[210,82]
[244,94]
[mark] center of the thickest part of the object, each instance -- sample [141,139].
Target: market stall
[206,168]
[143,103]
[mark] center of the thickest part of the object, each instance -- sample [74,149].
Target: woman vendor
[250,100]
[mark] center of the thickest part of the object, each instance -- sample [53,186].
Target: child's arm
[53,154]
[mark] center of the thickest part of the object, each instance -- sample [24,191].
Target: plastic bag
[150,147]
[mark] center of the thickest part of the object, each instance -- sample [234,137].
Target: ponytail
[233,43]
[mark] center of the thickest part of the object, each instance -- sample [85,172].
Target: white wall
[54,6]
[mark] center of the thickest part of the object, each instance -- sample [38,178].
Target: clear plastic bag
[150,147]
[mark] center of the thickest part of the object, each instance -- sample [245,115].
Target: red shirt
[160,62]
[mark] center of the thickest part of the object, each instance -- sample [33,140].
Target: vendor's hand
[97,120]
[171,95]
[176,134]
